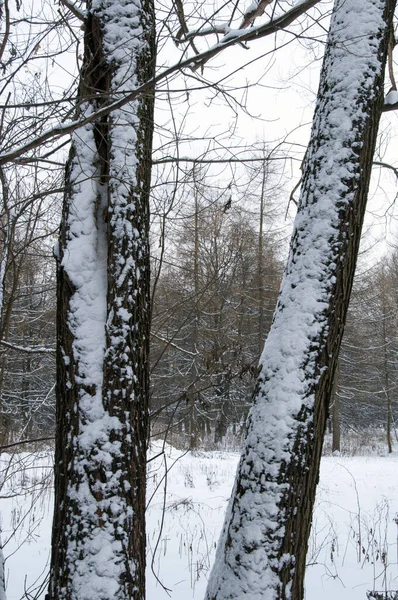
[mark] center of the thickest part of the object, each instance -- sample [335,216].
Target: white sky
[282,103]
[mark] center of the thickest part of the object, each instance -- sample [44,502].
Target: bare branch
[388,107]
[7,28]
[211,161]
[43,439]
[387,166]
[391,45]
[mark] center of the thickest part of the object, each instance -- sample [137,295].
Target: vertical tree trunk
[2,574]
[386,370]
[387,391]
[192,417]
[389,422]
[6,240]
[98,542]
[260,263]
[336,441]
[262,550]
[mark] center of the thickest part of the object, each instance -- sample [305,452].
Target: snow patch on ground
[353,546]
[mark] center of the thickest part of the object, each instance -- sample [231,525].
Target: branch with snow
[30,350]
[391,101]
[173,345]
[255,10]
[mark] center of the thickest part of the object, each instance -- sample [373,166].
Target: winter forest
[198,300]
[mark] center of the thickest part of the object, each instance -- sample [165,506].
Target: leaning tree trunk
[262,550]
[98,542]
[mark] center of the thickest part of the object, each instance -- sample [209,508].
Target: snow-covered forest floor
[353,546]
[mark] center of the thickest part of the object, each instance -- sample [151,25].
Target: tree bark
[385,366]
[98,540]
[2,574]
[263,546]
[260,261]
[336,437]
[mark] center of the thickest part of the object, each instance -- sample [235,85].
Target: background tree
[28,373]
[32,51]
[367,385]
[27,306]
[209,307]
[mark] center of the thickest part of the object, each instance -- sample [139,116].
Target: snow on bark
[267,524]
[84,262]
[127,328]
[98,532]
[391,98]
[128,259]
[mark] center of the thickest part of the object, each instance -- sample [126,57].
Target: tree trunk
[386,370]
[263,546]
[98,541]
[2,574]
[336,441]
[260,262]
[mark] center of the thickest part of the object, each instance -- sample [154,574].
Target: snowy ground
[353,547]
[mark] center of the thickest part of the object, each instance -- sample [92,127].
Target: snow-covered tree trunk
[98,544]
[262,550]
